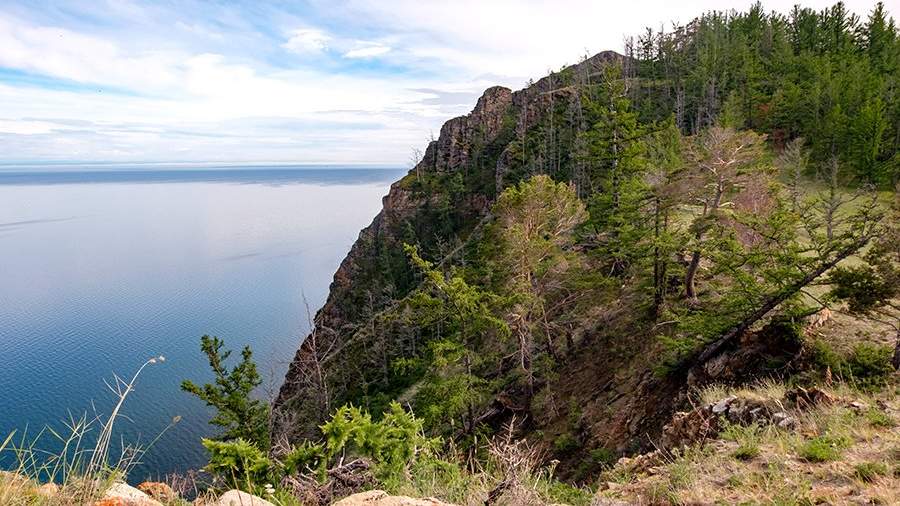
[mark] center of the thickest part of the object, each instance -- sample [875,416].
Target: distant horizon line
[7,166]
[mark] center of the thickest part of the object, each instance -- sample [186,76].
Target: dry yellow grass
[861,465]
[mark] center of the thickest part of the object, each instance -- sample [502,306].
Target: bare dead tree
[416,160]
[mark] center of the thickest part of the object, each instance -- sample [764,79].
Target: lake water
[100,270]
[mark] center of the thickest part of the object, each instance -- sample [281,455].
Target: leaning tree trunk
[776,299]
[690,292]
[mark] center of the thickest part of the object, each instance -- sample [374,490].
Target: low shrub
[878,418]
[240,464]
[747,438]
[746,451]
[870,364]
[822,449]
[866,366]
[604,457]
[870,471]
[566,443]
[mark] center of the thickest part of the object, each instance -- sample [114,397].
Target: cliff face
[329,364]
[437,205]
[601,390]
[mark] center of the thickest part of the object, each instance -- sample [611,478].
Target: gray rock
[238,498]
[784,420]
[127,494]
[723,405]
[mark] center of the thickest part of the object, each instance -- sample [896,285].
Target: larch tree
[718,164]
[537,219]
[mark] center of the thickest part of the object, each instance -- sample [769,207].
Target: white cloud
[66,54]
[522,39]
[25,127]
[307,40]
[367,51]
[153,93]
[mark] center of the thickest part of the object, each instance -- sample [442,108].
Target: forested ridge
[570,264]
[668,276]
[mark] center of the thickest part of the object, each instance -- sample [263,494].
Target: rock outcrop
[158,490]
[338,360]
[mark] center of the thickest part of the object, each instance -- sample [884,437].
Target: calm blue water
[100,270]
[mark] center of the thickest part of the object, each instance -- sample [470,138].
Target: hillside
[669,276]
[607,339]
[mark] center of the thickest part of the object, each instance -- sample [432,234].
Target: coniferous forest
[668,276]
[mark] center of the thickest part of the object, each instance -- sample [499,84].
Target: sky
[314,81]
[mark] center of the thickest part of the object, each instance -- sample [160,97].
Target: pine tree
[237,412]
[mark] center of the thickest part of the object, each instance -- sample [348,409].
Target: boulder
[123,494]
[238,498]
[381,498]
[705,422]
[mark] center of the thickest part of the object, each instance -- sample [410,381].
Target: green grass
[747,437]
[878,418]
[822,449]
[746,451]
[870,471]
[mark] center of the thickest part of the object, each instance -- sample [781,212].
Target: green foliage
[430,473]
[241,416]
[462,317]
[537,219]
[558,492]
[535,225]
[870,471]
[878,418]
[746,451]
[869,364]
[747,437]
[821,75]
[616,152]
[392,444]
[866,366]
[825,357]
[566,443]
[822,449]
[861,287]
[239,463]
[604,457]
[872,290]
[304,458]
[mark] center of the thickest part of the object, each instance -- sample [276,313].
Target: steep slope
[597,378]
[436,206]
[604,394]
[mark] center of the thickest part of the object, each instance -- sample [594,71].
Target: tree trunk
[774,300]
[691,272]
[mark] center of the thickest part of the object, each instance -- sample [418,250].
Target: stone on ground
[238,498]
[123,494]
[381,498]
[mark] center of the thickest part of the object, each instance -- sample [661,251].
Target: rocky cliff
[604,393]
[436,206]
